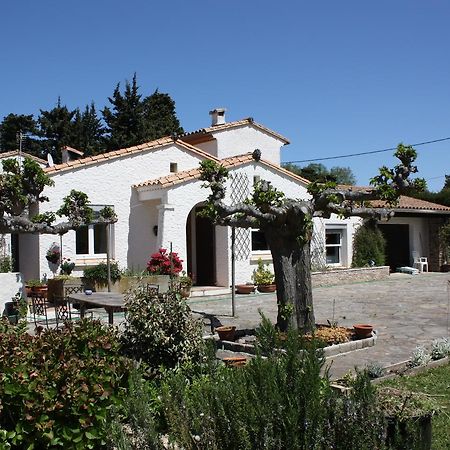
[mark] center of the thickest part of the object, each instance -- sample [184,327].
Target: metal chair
[39,309]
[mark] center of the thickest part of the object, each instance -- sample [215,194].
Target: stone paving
[406,311]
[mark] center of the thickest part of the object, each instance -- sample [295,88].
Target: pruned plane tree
[288,223]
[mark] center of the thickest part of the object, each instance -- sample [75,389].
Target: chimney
[217,116]
[69,154]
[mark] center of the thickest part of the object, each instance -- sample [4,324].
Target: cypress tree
[56,128]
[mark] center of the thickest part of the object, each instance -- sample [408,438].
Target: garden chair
[39,309]
[421,262]
[151,289]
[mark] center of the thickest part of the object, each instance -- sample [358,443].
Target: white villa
[155,191]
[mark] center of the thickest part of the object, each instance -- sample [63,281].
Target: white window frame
[339,245]
[91,238]
[91,244]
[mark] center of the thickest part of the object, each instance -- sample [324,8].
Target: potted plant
[363,330]
[67,266]
[264,278]
[53,254]
[247,288]
[37,286]
[226,332]
[185,282]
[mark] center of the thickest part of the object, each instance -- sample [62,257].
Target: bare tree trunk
[292,266]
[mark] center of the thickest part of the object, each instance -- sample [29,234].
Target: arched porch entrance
[201,248]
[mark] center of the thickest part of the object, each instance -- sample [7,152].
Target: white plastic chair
[421,262]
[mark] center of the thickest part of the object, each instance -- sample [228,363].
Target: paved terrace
[406,311]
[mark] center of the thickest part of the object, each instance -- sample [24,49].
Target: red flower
[163,263]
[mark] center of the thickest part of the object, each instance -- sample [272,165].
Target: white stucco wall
[10,284]
[245,139]
[110,183]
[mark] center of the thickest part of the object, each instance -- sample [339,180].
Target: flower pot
[39,289]
[245,288]
[265,288]
[363,331]
[226,333]
[235,361]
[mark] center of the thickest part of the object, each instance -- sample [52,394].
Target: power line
[365,153]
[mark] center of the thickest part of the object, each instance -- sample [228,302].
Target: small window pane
[82,241]
[333,255]
[100,238]
[259,241]
[333,238]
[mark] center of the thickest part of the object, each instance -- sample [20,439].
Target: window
[333,245]
[173,167]
[259,242]
[91,240]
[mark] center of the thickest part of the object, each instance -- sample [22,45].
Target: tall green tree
[125,120]
[318,172]
[56,127]
[87,131]
[10,128]
[159,116]
[133,120]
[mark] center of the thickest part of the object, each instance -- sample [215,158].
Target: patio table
[110,301]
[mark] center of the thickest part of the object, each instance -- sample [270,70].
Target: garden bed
[245,343]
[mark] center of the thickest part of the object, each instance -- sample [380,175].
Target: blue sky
[334,77]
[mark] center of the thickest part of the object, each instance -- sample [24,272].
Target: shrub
[274,403]
[56,388]
[368,246]
[440,348]
[160,330]
[419,357]
[99,273]
[163,263]
[262,274]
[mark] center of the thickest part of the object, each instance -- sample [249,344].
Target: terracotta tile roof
[228,125]
[405,202]
[13,153]
[158,143]
[411,203]
[228,163]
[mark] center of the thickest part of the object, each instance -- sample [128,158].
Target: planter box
[57,288]
[127,283]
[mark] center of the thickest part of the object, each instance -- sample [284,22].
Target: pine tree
[87,131]
[160,117]
[10,128]
[125,125]
[56,127]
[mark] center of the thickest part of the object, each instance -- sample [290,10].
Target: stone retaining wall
[343,276]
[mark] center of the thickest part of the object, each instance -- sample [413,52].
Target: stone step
[206,291]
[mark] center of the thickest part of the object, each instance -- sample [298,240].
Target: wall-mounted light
[155,230]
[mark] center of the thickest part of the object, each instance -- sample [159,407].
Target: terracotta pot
[39,289]
[226,333]
[264,288]
[363,331]
[235,361]
[185,291]
[245,288]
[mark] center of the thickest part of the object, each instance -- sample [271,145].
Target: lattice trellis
[240,190]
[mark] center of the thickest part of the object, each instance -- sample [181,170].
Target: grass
[435,383]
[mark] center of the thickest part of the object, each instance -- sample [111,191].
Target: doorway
[201,248]
[397,245]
